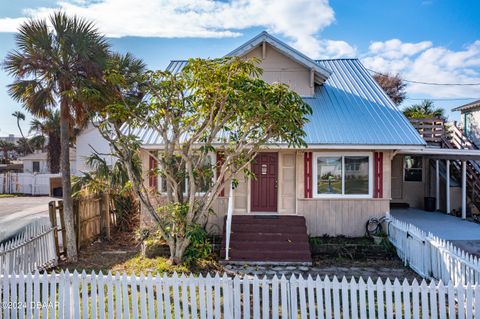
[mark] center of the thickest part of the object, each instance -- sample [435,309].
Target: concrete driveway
[18,212]
[462,233]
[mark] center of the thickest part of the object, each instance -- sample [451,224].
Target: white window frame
[212,155]
[316,155]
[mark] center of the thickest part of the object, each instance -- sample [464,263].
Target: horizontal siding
[334,217]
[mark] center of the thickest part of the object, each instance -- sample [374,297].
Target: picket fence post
[432,257]
[181,296]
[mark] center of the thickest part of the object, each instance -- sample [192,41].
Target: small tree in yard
[211,106]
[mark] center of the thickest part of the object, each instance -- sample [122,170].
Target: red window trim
[152,176]
[220,160]
[308,174]
[378,175]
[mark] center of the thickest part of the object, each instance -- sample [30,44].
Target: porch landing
[462,233]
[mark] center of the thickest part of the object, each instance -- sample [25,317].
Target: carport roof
[443,153]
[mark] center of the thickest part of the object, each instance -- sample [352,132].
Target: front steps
[268,239]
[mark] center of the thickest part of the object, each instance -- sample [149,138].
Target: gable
[277,67]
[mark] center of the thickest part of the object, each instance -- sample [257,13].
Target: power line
[443,99]
[431,83]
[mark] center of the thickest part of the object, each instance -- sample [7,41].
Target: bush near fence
[115,296]
[432,257]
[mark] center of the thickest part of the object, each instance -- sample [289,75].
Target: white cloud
[10,24]
[300,21]
[422,61]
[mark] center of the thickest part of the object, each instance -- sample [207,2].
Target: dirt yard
[122,254]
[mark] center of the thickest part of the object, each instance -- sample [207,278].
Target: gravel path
[386,271]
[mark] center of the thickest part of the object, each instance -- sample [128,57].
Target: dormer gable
[281,63]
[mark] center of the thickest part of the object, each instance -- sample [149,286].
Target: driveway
[18,212]
[462,233]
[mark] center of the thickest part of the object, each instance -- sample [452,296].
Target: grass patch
[161,265]
[7,195]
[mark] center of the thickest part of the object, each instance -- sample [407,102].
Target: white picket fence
[33,249]
[76,295]
[432,257]
[25,183]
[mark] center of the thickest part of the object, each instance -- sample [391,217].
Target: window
[36,166]
[342,175]
[413,168]
[207,174]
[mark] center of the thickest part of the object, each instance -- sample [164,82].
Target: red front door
[265,183]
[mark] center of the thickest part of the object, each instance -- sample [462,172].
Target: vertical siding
[324,216]
[286,182]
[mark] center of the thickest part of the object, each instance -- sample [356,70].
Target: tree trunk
[52,152]
[66,183]
[177,249]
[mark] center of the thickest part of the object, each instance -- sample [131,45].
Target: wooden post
[105,215]
[447,195]
[64,231]
[52,211]
[464,190]
[437,185]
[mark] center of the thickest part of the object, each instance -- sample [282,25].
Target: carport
[450,156]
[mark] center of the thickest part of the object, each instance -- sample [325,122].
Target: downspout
[228,226]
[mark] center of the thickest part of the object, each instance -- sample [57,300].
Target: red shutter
[308,174]
[152,178]
[378,174]
[220,160]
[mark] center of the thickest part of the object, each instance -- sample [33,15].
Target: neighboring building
[88,142]
[38,163]
[470,120]
[363,155]
[10,138]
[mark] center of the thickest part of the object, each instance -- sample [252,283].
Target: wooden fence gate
[92,219]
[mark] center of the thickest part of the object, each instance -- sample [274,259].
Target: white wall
[473,127]
[28,166]
[91,138]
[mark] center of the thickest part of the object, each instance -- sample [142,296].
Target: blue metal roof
[350,108]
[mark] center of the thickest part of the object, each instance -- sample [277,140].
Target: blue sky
[432,41]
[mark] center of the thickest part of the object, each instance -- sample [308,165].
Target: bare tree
[393,85]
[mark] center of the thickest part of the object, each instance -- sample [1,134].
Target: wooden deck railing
[431,129]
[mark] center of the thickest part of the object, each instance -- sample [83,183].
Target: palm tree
[49,126]
[24,146]
[58,64]
[6,147]
[38,142]
[426,109]
[20,116]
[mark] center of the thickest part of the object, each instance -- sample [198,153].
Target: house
[37,162]
[89,142]
[363,156]
[470,120]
